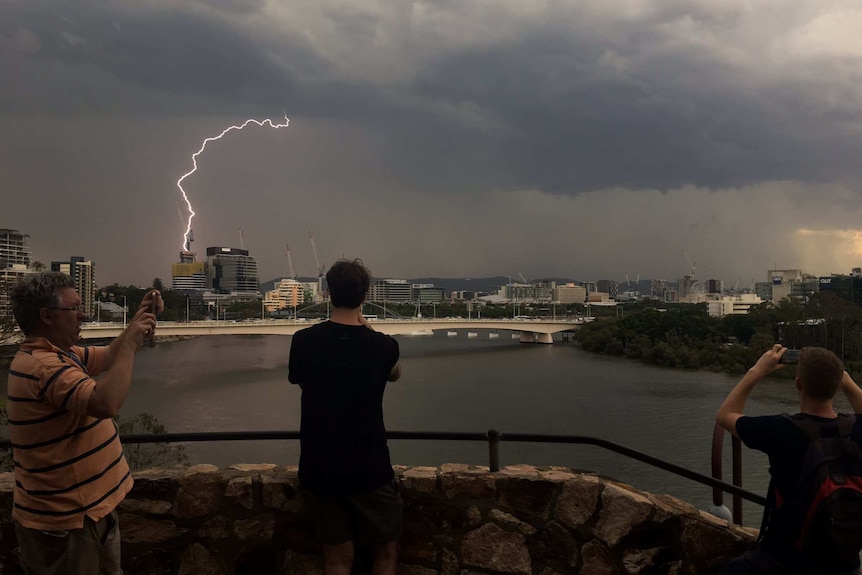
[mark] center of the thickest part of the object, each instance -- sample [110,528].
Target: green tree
[146,455]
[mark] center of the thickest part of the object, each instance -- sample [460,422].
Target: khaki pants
[92,550]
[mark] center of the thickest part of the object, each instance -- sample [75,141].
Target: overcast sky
[587,139]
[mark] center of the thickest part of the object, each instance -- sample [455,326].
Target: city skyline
[454,139]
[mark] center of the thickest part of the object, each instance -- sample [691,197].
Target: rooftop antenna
[241,240]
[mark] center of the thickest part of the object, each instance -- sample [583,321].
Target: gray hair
[34,292]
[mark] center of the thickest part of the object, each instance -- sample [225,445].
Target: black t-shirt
[786,445]
[343,371]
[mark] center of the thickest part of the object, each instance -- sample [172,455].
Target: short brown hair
[820,373]
[348,283]
[34,292]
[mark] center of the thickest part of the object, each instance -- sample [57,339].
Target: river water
[239,383]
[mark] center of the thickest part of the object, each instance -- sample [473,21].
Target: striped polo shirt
[67,464]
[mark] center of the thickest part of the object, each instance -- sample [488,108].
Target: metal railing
[493,439]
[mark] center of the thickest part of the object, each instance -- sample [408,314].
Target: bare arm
[112,387]
[146,305]
[734,405]
[853,393]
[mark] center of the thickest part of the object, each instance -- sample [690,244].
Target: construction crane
[691,263]
[320,267]
[523,279]
[290,263]
[736,285]
[638,284]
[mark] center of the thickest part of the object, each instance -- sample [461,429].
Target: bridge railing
[492,437]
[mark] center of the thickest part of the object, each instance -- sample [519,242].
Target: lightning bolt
[259,123]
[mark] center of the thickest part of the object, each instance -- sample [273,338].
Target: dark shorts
[92,550]
[369,518]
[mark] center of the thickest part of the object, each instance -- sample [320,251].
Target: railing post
[718,508]
[494,449]
[737,478]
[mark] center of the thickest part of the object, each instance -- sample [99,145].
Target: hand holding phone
[790,356]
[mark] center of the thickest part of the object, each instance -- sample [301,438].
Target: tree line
[686,336]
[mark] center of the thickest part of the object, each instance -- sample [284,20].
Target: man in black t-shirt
[342,366]
[819,376]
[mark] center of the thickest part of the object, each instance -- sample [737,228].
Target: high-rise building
[231,270]
[9,276]
[570,293]
[14,248]
[189,274]
[609,287]
[83,273]
[288,293]
[391,290]
[15,259]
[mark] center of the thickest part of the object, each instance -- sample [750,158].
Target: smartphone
[790,356]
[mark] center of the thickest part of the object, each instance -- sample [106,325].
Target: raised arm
[853,393]
[734,405]
[113,385]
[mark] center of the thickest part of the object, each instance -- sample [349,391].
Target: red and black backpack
[829,488]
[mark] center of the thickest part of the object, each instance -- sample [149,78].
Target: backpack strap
[814,429]
[767,511]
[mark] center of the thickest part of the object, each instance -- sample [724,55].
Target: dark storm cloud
[565,105]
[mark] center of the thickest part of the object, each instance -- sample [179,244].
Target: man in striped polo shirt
[70,471]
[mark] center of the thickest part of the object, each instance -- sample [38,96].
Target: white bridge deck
[539,331]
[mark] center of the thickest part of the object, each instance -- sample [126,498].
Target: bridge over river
[532,331]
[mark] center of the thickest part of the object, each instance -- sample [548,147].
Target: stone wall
[459,520]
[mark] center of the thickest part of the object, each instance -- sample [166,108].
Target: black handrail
[493,437]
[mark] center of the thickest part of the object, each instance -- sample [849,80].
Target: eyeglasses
[79,309]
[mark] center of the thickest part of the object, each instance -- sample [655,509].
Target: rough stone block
[240,491]
[527,495]
[137,529]
[259,528]
[154,484]
[521,470]
[557,475]
[464,486]
[702,541]
[254,466]
[202,468]
[598,560]
[622,511]
[489,547]
[145,506]
[199,495]
[449,564]
[510,522]
[420,479]
[216,529]
[637,561]
[417,549]
[454,467]
[577,501]
[197,560]
[474,516]
[555,544]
